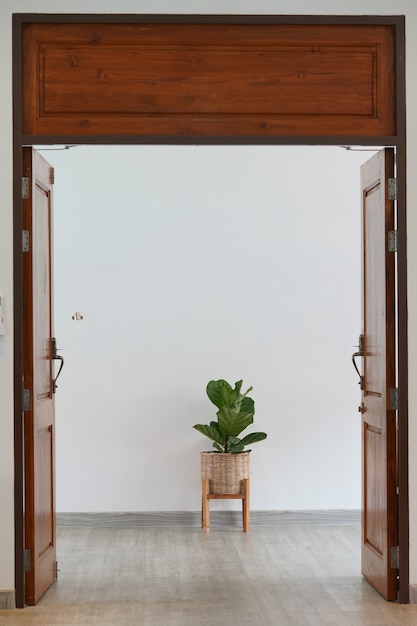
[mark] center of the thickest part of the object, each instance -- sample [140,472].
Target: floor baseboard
[218,518]
[413,594]
[7,599]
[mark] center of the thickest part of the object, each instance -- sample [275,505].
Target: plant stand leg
[246,505]
[205,509]
[207,496]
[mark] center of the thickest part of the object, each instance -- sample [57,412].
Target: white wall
[7,7]
[195,263]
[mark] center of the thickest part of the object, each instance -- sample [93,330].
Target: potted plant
[228,465]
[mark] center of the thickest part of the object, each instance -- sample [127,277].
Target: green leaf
[247,405]
[210,432]
[253,438]
[220,393]
[238,387]
[234,445]
[232,423]
[221,438]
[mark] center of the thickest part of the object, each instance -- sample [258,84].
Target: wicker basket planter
[225,471]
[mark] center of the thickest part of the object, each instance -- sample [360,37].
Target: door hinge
[56,570]
[25,187]
[393,241]
[26,400]
[392,188]
[25,240]
[27,560]
[393,399]
[395,557]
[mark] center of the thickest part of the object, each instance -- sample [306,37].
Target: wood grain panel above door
[208,80]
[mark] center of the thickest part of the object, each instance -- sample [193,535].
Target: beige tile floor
[271,576]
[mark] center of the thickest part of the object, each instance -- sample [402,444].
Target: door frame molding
[399,141]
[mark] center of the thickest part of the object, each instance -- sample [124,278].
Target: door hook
[56,357]
[360,352]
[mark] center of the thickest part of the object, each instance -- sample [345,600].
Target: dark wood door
[39,406]
[379,524]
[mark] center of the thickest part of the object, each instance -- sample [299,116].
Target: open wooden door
[38,383]
[379,392]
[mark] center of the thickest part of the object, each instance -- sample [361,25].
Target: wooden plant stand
[207,496]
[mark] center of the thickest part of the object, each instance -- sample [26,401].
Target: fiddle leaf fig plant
[235,413]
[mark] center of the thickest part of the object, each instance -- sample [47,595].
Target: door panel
[208,80]
[379,431]
[39,416]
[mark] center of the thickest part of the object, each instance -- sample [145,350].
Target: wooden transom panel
[208,80]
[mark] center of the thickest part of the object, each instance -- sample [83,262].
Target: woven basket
[225,471]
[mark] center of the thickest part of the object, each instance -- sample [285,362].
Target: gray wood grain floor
[273,575]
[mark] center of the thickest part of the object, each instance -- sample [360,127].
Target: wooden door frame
[399,141]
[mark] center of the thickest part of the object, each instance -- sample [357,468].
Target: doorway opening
[229,268]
